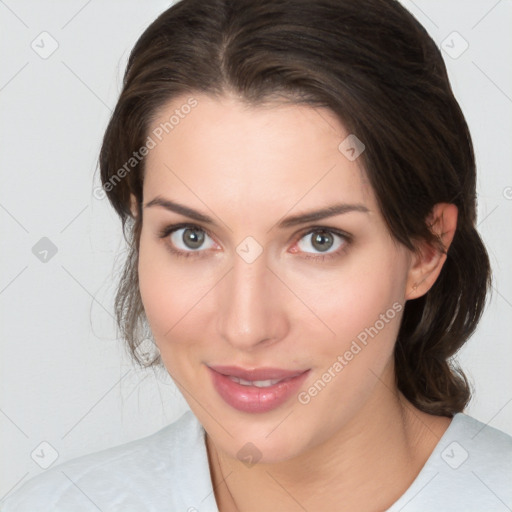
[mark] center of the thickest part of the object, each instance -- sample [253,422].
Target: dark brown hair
[378,70]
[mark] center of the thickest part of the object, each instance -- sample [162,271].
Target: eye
[190,240]
[329,243]
[184,240]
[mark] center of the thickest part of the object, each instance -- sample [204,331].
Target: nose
[252,301]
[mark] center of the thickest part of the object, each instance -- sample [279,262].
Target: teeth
[257,383]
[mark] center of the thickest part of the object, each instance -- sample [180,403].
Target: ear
[133,206]
[428,260]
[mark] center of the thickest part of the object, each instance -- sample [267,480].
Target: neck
[366,466]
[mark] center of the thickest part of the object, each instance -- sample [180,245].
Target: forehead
[224,153]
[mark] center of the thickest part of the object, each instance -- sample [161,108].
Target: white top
[469,470]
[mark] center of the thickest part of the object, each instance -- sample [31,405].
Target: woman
[297,185]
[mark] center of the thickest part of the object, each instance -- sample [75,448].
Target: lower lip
[254,399]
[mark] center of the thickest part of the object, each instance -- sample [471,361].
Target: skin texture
[358,444]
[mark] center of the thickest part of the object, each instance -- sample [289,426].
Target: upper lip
[257,373]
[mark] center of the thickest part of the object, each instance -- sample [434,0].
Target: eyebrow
[294,220]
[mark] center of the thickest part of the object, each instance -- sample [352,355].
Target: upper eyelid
[336,231]
[297,236]
[172,228]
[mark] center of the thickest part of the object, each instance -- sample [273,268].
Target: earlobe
[429,259]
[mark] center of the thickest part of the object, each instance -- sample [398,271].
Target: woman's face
[251,286]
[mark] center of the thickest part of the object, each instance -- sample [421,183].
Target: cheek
[372,306]
[174,303]
[163,291]
[163,296]
[352,299]
[364,309]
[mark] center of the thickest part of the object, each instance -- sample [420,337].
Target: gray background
[66,381]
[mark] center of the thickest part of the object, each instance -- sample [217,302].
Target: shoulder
[470,469]
[145,474]
[479,456]
[486,446]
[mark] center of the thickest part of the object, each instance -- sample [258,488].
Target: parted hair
[374,65]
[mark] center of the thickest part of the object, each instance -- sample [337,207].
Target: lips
[257,373]
[256,391]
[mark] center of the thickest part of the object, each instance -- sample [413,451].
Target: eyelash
[168,230]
